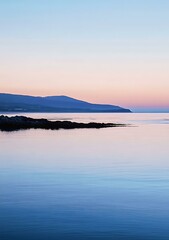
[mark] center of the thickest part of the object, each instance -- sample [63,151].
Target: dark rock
[21,122]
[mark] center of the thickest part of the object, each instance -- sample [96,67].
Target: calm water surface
[86,183]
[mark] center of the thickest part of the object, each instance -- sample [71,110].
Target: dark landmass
[21,122]
[23,103]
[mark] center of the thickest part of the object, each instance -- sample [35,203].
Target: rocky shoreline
[22,122]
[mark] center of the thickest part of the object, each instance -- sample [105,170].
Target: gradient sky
[102,51]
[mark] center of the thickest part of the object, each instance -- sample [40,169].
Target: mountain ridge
[26,103]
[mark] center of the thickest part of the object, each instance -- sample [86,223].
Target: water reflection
[85,184]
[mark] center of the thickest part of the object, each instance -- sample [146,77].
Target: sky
[101,51]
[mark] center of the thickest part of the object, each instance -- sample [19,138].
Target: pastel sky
[102,51]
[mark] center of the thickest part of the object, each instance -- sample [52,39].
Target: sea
[89,184]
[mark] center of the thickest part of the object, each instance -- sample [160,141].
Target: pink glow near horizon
[125,100]
[128,85]
[128,88]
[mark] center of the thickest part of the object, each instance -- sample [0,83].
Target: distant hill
[24,103]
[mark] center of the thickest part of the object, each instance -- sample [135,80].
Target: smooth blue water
[86,183]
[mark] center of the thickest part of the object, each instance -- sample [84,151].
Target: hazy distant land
[24,103]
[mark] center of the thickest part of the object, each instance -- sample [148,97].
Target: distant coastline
[53,104]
